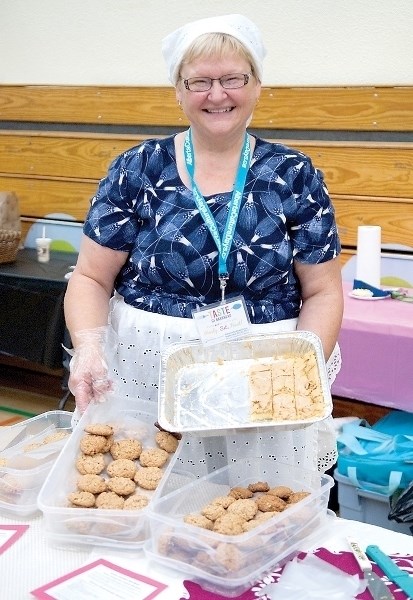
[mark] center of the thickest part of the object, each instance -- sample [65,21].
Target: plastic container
[65,525]
[230,564]
[204,388]
[27,453]
[366,506]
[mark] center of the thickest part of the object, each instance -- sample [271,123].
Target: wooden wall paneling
[61,154]
[39,197]
[319,108]
[393,215]
[357,168]
[380,170]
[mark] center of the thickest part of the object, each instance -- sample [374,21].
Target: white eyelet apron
[134,359]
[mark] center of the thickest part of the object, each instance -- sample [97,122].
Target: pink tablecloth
[376,342]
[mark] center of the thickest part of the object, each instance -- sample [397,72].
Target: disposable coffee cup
[43,249]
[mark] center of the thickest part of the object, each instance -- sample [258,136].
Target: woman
[150,230]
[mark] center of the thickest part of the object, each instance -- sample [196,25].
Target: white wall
[117,42]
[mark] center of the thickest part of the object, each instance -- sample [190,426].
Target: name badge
[222,321]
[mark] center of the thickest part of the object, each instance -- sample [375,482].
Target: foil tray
[204,388]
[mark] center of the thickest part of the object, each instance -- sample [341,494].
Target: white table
[32,562]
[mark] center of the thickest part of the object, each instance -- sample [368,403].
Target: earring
[180,104]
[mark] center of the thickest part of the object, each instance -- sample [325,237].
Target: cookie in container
[27,451]
[99,490]
[276,380]
[229,528]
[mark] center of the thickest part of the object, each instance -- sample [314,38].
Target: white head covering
[177,43]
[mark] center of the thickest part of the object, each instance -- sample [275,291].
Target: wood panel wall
[55,168]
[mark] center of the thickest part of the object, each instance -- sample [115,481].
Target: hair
[216,45]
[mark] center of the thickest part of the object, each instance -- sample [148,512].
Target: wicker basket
[9,245]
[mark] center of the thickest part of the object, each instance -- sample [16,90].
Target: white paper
[102,582]
[369,254]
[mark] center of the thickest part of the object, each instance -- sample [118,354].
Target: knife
[401,578]
[376,587]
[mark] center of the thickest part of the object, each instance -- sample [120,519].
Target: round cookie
[136,502]
[91,483]
[123,486]
[153,457]
[108,445]
[99,429]
[93,444]
[82,499]
[148,478]
[109,500]
[127,448]
[121,467]
[166,441]
[90,464]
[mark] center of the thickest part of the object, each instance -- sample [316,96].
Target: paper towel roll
[369,254]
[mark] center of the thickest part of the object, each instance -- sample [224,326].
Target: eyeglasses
[228,82]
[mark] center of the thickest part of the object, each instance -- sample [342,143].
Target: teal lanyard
[224,245]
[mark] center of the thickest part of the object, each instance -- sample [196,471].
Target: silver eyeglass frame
[246,77]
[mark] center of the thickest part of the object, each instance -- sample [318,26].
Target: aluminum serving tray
[204,388]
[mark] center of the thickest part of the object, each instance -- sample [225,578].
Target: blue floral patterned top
[143,207]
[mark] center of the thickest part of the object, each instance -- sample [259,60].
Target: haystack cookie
[199,521]
[136,502]
[123,486]
[271,503]
[223,501]
[246,508]
[109,500]
[153,457]
[121,467]
[93,444]
[148,478]
[229,557]
[213,511]
[82,499]
[259,486]
[127,448]
[90,464]
[282,491]
[229,524]
[240,492]
[91,483]
[99,429]
[166,441]
[297,496]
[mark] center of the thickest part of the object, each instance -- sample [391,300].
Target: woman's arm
[322,301]
[91,286]
[86,311]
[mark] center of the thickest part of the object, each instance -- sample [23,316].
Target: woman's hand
[88,379]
